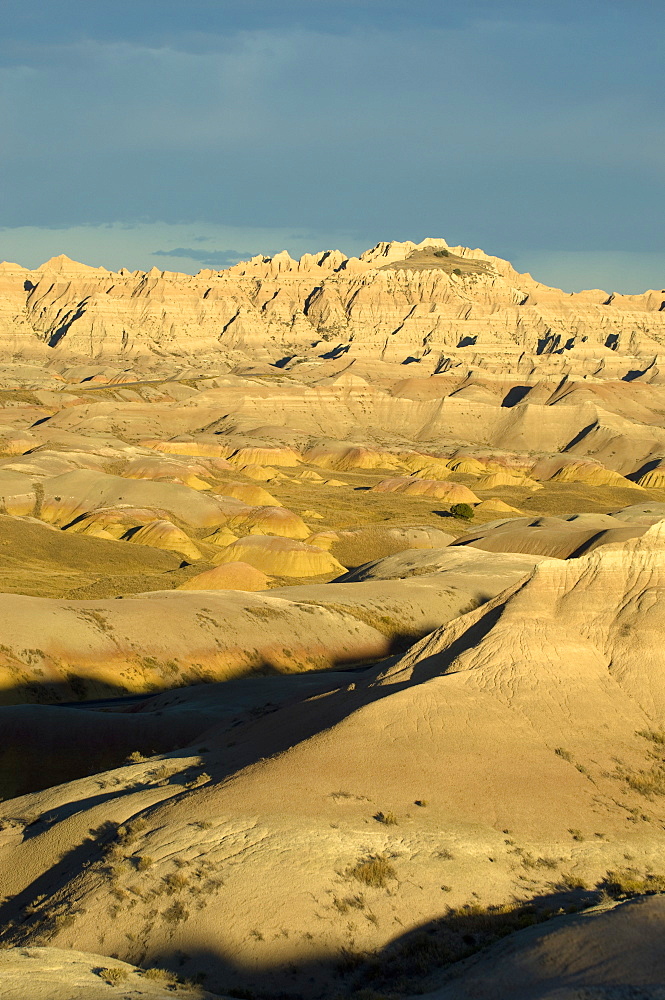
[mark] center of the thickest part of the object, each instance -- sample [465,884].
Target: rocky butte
[331,617]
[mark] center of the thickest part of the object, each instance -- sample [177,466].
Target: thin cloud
[216,259]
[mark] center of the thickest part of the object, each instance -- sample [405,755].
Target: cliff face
[399,301]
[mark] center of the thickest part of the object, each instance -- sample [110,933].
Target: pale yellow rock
[167,471]
[594,475]
[205,449]
[164,535]
[112,522]
[308,476]
[323,539]
[261,473]
[399,301]
[413,486]
[654,480]
[280,557]
[265,456]
[270,521]
[467,466]
[495,479]
[221,536]
[231,576]
[249,493]
[494,504]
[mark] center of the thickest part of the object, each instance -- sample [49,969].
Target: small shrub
[176,880]
[388,819]
[158,974]
[114,975]
[570,882]
[529,861]
[349,903]
[144,862]
[373,871]
[117,869]
[200,779]
[128,832]
[576,834]
[648,783]
[136,758]
[162,773]
[464,511]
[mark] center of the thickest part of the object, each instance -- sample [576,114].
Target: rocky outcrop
[397,302]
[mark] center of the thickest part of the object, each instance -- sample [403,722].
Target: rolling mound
[389,776]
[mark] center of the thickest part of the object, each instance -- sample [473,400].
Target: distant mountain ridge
[397,302]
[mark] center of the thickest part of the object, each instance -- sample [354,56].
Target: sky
[193,133]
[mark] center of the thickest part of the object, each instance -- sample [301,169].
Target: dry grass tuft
[648,783]
[623,882]
[373,871]
[114,975]
[176,913]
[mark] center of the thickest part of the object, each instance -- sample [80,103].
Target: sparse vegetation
[388,818]
[114,975]
[157,974]
[629,882]
[176,880]
[456,935]
[349,902]
[176,913]
[373,871]
[656,736]
[570,882]
[463,511]
[529,861]
[648,783]
[200,779]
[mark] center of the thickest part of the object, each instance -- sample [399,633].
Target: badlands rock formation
[397,301]
[276,720]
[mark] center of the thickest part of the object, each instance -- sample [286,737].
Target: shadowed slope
[502,755]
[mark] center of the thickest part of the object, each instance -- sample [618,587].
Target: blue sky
[187,134]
